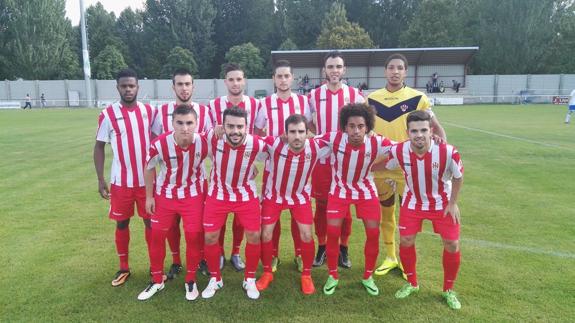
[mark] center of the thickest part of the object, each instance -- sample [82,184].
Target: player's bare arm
[452,209]
[99,157]
[149,175]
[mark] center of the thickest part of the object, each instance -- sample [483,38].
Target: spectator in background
[434,81]
[456,86]
[43,100]
[28,102]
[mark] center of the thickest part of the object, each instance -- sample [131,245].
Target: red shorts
[122,201]
[410,223]
[191,210]
[337,208]
[321,181]
[216,214]
[271,212]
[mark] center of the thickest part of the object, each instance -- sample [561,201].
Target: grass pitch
[518,247]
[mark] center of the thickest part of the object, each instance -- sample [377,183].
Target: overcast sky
[117,6]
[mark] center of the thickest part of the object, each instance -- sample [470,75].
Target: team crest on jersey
[368,154]
[435,165]
[197,155]
[247,154]
[308,156]
[404,107]
[346,100]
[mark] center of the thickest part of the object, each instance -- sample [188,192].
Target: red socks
[333,234]
[296,237]
[346,229]
[212,253]
[307,250]
[267,255]
[122,246]
[157,255]
[174,242]
[451,263]
[320,221]
[276,238]
[408,261]
[253,252]
[194,245]
[370,250]
[238,236]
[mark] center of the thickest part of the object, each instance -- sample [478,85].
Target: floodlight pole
[85,55]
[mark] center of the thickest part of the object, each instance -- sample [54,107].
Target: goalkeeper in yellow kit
[393,103]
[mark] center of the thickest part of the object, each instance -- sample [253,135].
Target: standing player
[126,126]
[275,109]
[28,102]
[571,107]
[183,86]
[233,189]
[392,104]
[179,192]
[353,154]
[325,103]
[434,176]
[290,165]
[235,83]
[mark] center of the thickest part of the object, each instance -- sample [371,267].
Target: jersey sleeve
[153,157]
[392,162]
[211,141]
[261,116]
[456,164]
[311,100]
[307,110]
[263,151]
[104,128]
[384,145]
[208,122]
[323,149]
[157,122]
[359,98]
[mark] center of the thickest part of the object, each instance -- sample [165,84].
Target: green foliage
[338,33]
[34,40]
[288,44]
[100,27]
[108,63]
[179,58]
[303,20]
[248,57]
[130,29]
[435,25]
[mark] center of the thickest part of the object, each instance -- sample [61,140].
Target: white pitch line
[508,136]
[498,245]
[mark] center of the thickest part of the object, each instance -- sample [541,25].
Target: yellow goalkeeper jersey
[392,109]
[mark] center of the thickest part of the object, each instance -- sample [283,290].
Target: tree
[560,57]
[248,57]
[100,27]
[179,58]
[188,24]
[130,29]
[34,40]
[108,63]
[303,20]
[428,30]
[288,44]
[338,33]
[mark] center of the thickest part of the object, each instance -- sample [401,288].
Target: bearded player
[126,126]
[274,111]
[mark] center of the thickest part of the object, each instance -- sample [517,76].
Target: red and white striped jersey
[128,131]
[351,166]
[232,168]
[428,178]
[163,118]
[218,105]
[274,111]
[181,170]
[325,105]
[289,172]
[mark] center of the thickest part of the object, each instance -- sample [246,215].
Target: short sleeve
[153,157]
[104,128]
[261,116]
[310,100]
[456,164]
[307,110]
[157,122]
[384,145]
[392,162]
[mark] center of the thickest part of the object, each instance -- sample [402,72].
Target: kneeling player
[434,175]
[287,187]
[233,190]
[353,154]
[178,191]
